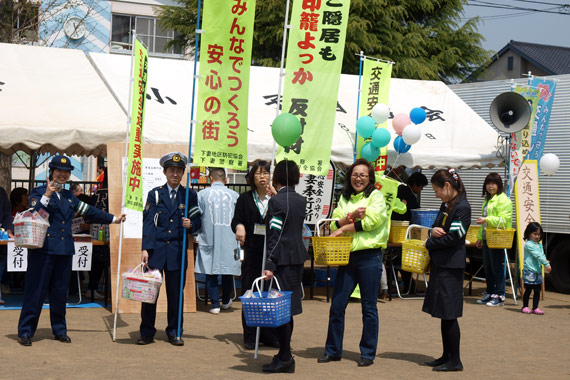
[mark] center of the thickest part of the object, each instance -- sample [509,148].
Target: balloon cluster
[366,128]
[407,128]
[286,129]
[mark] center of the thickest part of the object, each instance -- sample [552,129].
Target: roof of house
[552,59]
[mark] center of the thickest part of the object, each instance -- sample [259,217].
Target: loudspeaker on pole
[510,112]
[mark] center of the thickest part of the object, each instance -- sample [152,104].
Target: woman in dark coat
[446,245]
[286,253]
[248,224]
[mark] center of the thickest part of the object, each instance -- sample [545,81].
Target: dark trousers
[148,310]
[213,290]
[45,272]
[364,269]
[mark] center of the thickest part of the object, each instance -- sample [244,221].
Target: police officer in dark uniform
[164,226]
[49,267]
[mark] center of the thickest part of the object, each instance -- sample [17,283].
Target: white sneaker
[496,301]
[214,310]
[226,306]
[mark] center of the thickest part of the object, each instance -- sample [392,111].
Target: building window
[148,31]
[510,62]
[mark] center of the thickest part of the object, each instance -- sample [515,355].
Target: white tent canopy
[53,100]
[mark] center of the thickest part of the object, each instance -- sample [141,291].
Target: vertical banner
[527,202]
[225,60]
[83,255]
[133,195]
[546,90]
[17,259]
[318,190]
[314,60]
[389,188]
[520,141]
[375,89]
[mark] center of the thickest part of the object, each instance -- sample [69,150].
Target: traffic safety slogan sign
[225,51]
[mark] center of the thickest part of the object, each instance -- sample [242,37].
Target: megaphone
[510,112]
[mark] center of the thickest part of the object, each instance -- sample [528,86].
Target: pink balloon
[400,122]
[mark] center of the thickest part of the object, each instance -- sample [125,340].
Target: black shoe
[277,366]
[449,367]
[365,362]
[63,338]
[175,341]
[145,340]
[436,362]
[328,358]
[249,346]
[25,340]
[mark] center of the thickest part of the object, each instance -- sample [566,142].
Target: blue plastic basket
[424,217]
[266,312]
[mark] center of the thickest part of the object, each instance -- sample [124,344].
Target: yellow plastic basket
[331,250]
[472,234]
[397,233]
[415,257]
[500,238]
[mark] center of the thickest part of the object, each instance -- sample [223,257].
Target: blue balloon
[400,146]
[369,152]
[380,137]
[365,125]
[418,115]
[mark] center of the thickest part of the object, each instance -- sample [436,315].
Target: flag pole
[277,110]
[362,58]
[192,122]
[124,174]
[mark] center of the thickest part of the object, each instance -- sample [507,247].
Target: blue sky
[499,26]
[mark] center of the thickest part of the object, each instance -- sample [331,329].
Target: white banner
[83,255]
[17,258]
[318,190]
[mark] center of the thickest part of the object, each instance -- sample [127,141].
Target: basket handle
[503,222]
[319,227]
[414,226]
[256,284]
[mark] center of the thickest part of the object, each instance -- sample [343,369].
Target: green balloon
[286,129]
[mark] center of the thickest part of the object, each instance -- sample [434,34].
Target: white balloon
[380,113]
[411,134]
[549,163]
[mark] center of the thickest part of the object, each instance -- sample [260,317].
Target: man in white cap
[164,226]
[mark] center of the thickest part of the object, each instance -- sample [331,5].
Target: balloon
[286,129]
[417,115]
[380,137]
[380,113]
[549,163]
[400,121]
[400,146]
[369,152]
[365,125]
[411,134]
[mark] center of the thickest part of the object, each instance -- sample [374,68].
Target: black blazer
[449,250]
[247,213]
[284,229]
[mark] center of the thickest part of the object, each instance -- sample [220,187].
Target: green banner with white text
[225,60]
[133,196]
[375,89]
[314,61]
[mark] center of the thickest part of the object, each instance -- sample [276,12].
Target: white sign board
[83,255]
[318,190]
[17,258]
[152,176]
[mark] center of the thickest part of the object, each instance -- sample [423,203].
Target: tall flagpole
[362,58]
[124,173]
[192,122]
[277,110]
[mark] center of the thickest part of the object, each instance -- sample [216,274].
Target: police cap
[173,159]
[61,163]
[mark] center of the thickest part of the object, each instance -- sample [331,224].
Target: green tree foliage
[425,38]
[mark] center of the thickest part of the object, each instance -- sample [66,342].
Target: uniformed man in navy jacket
[164,227]
[49,267]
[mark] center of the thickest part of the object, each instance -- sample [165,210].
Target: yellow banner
[133,196]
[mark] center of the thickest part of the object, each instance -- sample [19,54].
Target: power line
[562,9]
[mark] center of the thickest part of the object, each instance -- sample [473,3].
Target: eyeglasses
[357,176]
[261,174]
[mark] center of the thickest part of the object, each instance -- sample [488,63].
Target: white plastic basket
[141,286]
[30,230]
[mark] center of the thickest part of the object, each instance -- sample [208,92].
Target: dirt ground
[495,343]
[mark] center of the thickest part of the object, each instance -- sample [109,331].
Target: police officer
[164,226]
[49,267]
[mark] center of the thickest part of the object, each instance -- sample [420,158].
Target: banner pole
[362,58]
[124,174]
[272,165]
[192,121]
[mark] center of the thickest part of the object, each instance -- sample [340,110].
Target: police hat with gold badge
[174,159]
[61,163]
